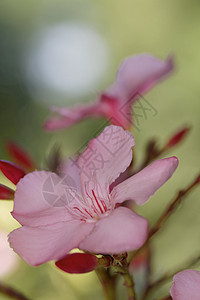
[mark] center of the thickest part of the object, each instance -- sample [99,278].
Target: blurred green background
[65,52]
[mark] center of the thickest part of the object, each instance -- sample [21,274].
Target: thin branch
[166,214]
[11,292]
[168,276]
[108,283]
[172,206]
[122,267]
[128,281]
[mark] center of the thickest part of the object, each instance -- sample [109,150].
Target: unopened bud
[13,172]
[77,263]
[6,193]
[20,156]
[177,137]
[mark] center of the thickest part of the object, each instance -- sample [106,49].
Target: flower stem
[122,267]
[11,293]
[108,283]
[166,215]
[128,281]
[168,276]
[172,206]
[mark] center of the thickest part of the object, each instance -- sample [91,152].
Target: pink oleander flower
[137,75]
[186,285]
[80,209]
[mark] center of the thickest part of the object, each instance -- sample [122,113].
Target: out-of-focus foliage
[125,27]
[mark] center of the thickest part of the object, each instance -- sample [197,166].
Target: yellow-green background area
[128,26]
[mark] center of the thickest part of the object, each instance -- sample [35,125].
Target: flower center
[91,207]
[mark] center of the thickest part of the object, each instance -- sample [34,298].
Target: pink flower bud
[78,263]
[19,155]
[13,172]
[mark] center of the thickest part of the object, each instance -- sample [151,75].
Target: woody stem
[166,214]
[128,282]
[172,206]
[122,267]
[167,277]
[108,283]
[11,293]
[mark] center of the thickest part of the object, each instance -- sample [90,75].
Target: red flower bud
[178,137]
[20,156]
[6,193]
[78,263]
[13,172]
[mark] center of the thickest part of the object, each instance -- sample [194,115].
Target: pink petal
[67,117]
[137,74]
[123,230]
[122,177]
[57,123]
[145,183]
[186,285]
[40,199]
[37,245]
[20,156]
[70,171]
[105,158]
[115,110]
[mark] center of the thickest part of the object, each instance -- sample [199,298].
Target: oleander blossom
[136,75]
[80,209]
[186,285]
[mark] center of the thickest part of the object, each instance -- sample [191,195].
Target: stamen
[91,207]
[78,214]
[88,213]
[93,204]
[104,205]
[97,202]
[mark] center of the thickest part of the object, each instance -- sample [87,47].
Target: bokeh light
[66,60]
